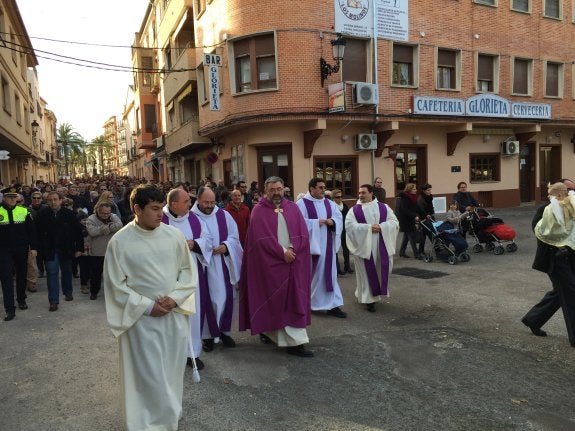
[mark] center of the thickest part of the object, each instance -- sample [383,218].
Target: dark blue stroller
[443,236]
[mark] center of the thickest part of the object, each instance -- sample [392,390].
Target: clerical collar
[173,213]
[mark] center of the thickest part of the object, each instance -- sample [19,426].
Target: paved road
[445,353]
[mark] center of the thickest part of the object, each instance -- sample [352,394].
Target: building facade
[478,91]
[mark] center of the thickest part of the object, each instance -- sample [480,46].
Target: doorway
[549,167]
[527,171]
[275,161]
[410,167]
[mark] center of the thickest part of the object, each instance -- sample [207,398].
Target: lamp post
[338,48]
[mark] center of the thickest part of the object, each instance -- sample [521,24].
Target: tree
[71,142]
[100,147]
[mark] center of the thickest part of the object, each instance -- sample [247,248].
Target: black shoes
[336,312]
[53,307]
[265,339]
[199,363]
[69,298]
[404,255]
[227,340]
[75,275]
[208,344]
[349,270]
[535,330]
[340,272]
[93,296]
[22,305]
[300,351]
[370,307]
[9,316]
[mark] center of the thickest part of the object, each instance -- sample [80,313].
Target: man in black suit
[60,239]
[561,296]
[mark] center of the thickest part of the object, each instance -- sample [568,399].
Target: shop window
[338,173]
[255,63]
[484,167]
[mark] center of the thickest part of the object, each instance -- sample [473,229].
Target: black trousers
[96,270]
[84,265]
[561,296]
[411,237]
[345,253]
[13,260]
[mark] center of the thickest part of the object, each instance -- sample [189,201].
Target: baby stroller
[491,231]
[442,234]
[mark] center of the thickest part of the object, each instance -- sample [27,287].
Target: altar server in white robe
[177,213]
[149,282]
[325,224]
[223,271]
[371,228]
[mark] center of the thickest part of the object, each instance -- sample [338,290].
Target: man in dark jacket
[60,240]
[17,238]
[547,260]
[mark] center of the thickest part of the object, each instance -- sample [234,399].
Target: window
[552,9]
[521,5]
[403,72]
[522,76]
[447,61]
[199,7]
[484,167]
[338,173]
[486,73]
[189,107]
[18,108]
[255,63]
[168,58]
[13,47]
[150,119]
[172,118]
[6,103]
[354,63]
[147,64]
[203,84]
[487,2]
[553,79]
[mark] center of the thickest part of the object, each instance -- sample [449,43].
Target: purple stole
[376,287]
[202,273]
[312,214]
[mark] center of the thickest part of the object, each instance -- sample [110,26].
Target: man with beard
[324,223]
[223,271]
[371,228]
[276,273]
[177,214]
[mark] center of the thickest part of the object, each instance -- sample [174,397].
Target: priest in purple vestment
[276,273]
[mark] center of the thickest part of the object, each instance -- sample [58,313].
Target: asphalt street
[446,351]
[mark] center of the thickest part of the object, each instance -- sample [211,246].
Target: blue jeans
[53,267]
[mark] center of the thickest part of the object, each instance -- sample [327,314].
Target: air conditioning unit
[365,94]
[510,148]
[365,141]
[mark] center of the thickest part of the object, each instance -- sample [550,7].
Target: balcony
[185,138]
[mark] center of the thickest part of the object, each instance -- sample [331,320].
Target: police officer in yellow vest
[17,237]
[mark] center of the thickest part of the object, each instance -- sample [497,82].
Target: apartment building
[19,143]
[479,91]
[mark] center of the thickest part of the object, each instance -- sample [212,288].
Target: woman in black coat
[407,213]
[336,195]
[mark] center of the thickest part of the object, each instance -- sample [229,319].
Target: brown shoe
[31,288]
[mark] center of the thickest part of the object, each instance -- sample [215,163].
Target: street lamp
[338,48]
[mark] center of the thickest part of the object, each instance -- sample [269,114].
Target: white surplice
[233,262]
[363,243]
[140,266]
[321,299]
[200,259]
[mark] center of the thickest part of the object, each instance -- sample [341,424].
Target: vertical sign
[213,61]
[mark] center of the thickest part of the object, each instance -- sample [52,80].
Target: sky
[83,97]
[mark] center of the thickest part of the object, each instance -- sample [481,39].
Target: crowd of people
[184,252]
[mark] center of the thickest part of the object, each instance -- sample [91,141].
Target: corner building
[477,91]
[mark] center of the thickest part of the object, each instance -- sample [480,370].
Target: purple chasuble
[376,287]
[312,214]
